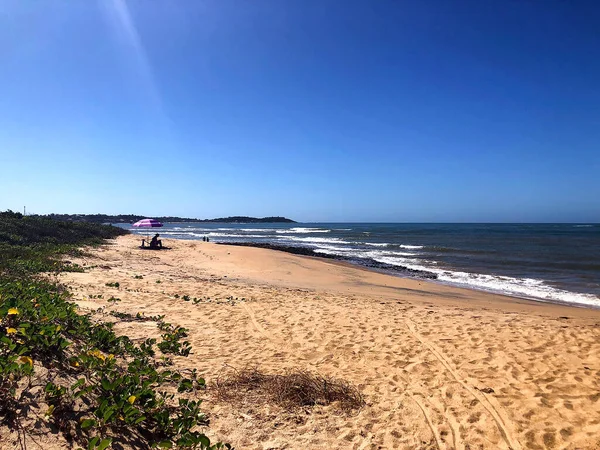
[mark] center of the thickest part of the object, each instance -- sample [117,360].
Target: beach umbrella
[147,223]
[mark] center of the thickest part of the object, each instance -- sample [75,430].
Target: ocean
[545,262]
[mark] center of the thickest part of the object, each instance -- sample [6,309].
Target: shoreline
[509,259]
[395,271]
[447,292]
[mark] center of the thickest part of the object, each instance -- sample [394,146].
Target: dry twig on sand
[291,390]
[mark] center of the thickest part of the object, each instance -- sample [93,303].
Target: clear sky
[319,110]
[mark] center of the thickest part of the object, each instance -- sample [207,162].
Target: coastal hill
[131,218]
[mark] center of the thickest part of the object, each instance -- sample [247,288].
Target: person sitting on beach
[155,242]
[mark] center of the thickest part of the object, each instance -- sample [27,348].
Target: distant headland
[131,218]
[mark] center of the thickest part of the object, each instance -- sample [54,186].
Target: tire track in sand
[497,415]
[257,325]
[433,428]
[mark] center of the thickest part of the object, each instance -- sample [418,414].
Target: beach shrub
[99,388]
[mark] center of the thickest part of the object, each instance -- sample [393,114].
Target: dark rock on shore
[365,262]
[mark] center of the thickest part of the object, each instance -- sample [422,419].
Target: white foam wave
[378,254]
[313,240]
[387,244]
[300,230]
[163,233]
[522,287]
[233,235]
[409,263]
[519,287]
[332,247]
[196,229]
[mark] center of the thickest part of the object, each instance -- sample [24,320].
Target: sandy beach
[439,367]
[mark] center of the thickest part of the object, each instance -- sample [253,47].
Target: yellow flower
[13,312]
[26,360]
[10,331]
[131,399]
[97,353]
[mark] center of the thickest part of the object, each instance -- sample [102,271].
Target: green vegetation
[73,372]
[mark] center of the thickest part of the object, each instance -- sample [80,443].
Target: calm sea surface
[550,262]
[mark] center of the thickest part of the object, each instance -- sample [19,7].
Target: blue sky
[319,110]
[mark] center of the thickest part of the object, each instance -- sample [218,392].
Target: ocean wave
[583,226]
[522,287]
[519,287]
[388,244]
[233,235]
[328,251]
[313,240]
[301,230]
[260,230]
[409,263]
[163,233]
[332,248]
[388,253]
[170,229]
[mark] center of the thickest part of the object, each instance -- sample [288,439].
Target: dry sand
[439,367]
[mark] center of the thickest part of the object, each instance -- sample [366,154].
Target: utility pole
[24,210]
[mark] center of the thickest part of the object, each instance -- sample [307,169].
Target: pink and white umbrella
[147,223]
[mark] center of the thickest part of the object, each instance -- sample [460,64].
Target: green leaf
[165,444]
[87,423]
[104,443]
[92,443]
[108,413]
[139,420]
